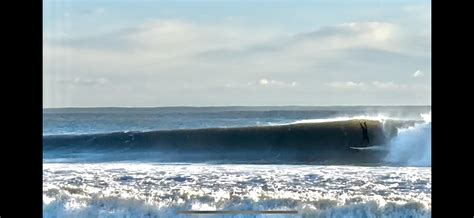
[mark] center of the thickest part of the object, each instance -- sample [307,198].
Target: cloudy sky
[207,53]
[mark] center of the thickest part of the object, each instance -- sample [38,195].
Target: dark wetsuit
[365,133]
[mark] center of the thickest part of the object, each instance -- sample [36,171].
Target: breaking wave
[412,146]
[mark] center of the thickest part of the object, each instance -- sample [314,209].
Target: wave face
[160,190]
[302,142]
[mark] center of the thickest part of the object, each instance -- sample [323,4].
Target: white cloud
[352,35]
[266,82]
[171,38]
[84,81]
[171,54]
[345,85]
[418,73]
[176,38]
[389,85]
[263,83]
[375,84]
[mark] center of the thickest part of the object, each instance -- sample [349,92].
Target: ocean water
[154,162]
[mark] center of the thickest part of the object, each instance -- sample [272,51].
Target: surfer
[365,133]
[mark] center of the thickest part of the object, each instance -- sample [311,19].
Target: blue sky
[163,53]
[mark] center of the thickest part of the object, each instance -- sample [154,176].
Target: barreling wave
[307,142]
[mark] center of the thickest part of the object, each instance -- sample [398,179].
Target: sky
[151,53]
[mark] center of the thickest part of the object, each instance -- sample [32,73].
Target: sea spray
[412,145]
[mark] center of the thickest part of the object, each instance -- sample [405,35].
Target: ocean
[156,162]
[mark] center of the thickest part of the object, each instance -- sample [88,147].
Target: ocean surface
[155,162]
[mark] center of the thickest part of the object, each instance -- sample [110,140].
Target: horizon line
[216,106]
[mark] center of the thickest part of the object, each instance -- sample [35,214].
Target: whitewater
[398,186]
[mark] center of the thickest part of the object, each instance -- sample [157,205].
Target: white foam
[412,145]
[100,190]
[335,119]
[380,117]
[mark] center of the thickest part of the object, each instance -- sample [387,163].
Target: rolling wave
[301,142]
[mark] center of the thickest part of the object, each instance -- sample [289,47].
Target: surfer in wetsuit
[365,133]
